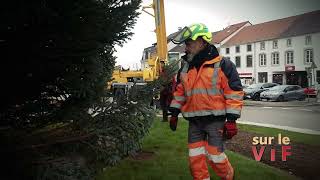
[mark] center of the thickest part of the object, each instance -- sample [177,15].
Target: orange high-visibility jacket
[211,90]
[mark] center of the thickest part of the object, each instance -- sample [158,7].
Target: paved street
[307,102]
[298,116]
[307,117]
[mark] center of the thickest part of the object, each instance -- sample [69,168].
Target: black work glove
[174,111]
[232,117]
[174,118]
[173,123]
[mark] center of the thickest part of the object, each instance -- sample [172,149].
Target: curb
[281,105]
[287,128]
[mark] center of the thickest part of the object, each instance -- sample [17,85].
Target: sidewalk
[311,102]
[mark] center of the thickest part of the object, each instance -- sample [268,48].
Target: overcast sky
[216,14]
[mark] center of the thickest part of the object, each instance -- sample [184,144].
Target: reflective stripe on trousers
[197,161]
[205,142]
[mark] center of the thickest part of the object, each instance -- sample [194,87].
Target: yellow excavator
[155,63]
[123,79]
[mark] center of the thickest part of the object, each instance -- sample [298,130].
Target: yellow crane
[123,79]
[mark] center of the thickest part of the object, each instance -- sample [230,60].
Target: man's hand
[173,123]
[230,129]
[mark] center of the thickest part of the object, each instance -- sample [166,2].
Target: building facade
[285,51]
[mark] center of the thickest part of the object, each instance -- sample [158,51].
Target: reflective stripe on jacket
[208,91]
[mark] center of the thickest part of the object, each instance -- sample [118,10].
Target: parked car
[244,86]
[284,93]
[254,90]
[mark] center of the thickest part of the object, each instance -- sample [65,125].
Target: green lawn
[294,136]
[170,160]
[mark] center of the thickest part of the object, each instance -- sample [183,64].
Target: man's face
[194,47]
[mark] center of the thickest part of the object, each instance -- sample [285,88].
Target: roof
[150,49]
[219,36]
[287,27]
[171,36]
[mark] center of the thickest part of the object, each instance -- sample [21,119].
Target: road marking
[306,110]
[286,108]
[266,107]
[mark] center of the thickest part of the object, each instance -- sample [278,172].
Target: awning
[245,74]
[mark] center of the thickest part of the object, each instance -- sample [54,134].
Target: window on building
[262,60]
[146,55]
[308,56]
[227,50]
[262,77]
[308,40]
[289,43]
[238,61]
[275,44]
[318,77]
[237,49]
[249,47]
[262,46]
[249,61]
[289,57]
[275,58]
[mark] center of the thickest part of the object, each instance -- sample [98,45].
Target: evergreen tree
[56,59]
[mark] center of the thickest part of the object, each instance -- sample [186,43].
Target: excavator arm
[155,63]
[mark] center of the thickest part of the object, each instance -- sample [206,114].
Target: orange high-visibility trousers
[205,143]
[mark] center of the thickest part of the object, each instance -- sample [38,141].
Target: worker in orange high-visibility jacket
[209,95]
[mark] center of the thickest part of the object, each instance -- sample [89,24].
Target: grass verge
[170,160]
[273,132]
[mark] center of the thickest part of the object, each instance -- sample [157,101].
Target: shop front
[278,78]
[246,78]
[296,77]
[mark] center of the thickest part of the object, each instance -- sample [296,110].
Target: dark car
[253,91]
[284,93]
